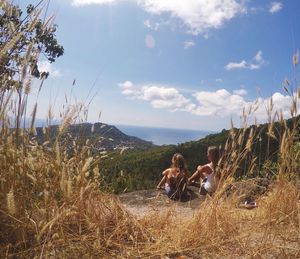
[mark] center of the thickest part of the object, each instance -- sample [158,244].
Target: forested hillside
[128,171]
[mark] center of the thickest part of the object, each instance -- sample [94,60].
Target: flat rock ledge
[147,202]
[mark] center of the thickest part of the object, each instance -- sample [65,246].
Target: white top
[210,184]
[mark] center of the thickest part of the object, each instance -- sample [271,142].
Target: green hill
[133,170]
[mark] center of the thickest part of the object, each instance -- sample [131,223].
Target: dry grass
[51,204]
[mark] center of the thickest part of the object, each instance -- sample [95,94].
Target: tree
[23,37]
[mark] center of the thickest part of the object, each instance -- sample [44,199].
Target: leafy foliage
[23,37]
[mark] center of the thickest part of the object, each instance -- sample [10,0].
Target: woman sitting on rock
[207,173]
[174,179]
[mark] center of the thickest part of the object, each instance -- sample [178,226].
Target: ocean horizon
[163,136]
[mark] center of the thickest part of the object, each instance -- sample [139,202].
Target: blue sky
[178,64]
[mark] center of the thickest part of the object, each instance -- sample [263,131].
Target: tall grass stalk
[51,204]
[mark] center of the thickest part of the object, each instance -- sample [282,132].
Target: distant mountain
[103,137]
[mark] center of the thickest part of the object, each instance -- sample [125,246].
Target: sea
[163,136]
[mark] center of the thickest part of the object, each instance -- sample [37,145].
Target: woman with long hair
[208,172]
[175,178]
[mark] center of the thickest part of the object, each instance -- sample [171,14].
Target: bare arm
[201,172]
[193,177]
[162,182]
[164,179]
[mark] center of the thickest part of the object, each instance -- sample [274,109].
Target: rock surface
[146,202]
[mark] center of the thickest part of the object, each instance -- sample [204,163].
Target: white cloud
[163,97]
[275,7]
[219,80]
[198,16]
[188,44]
[159,96]
[45,66]
[256,63]
[240,92]
[254,66]
[126,84]
[258,56]
[220,103]
[150,25]
[89,2]
[234,65]
[281,103]
[150,41]
[129,89]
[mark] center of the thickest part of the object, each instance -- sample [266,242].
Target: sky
[189,64]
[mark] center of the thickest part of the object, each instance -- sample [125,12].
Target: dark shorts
[169,191]
[174,194]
